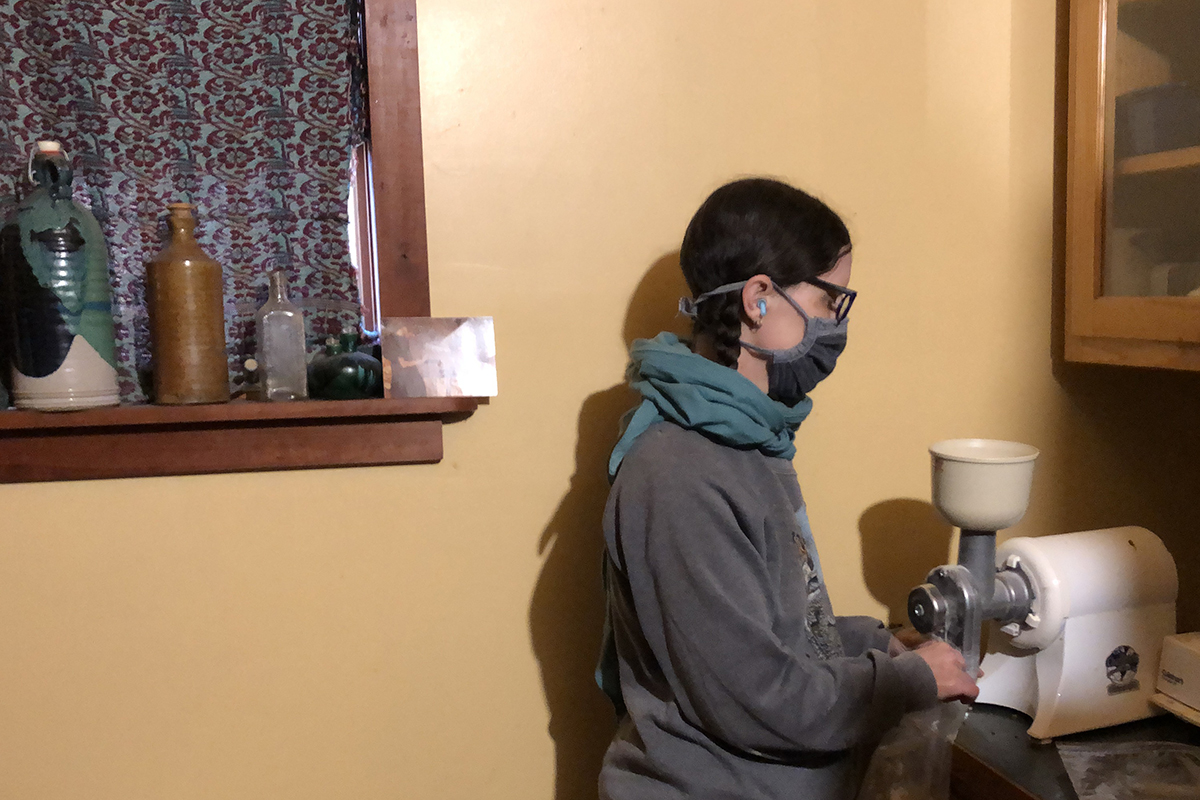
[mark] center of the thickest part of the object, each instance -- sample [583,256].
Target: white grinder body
[1087,655]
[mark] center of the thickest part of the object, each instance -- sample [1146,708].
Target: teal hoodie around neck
[695,393]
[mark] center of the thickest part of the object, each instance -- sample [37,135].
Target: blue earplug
[762,308]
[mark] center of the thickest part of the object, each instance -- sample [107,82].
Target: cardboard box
[1179,668]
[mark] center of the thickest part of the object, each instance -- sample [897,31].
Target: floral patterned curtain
[241,107]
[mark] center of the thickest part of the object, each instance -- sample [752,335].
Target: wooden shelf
[144,441]
[1168,160]
[235,412]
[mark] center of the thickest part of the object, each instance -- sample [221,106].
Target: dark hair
[751,227]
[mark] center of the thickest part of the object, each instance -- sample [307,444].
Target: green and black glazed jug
[57,306]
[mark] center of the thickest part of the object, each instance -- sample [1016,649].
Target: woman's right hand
[949,670]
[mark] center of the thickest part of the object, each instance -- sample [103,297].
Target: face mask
[794,372]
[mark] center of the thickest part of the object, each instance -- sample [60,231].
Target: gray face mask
[794,372]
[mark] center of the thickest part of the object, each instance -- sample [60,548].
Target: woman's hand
[949,670]
[906,639]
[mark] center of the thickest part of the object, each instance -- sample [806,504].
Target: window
[235,437]
[361,211]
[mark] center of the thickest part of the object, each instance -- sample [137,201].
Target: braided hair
[754,226]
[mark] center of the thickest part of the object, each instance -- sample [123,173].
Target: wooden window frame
[241,436]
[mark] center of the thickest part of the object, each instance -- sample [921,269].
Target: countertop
[996,758]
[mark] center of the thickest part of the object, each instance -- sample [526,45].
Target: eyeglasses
[842,297]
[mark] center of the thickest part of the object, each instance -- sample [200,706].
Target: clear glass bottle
[281,353]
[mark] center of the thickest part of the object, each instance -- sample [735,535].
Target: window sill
[145,441]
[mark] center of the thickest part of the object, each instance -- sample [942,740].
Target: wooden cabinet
[1133,184]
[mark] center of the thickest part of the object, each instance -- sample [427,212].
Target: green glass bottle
[343,373]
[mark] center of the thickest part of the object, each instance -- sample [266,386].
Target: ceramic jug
[57,304]
[187,319]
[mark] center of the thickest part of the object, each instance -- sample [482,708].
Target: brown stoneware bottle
[187,319]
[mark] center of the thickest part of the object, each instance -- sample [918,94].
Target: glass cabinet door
[1133,216]
[1152,110]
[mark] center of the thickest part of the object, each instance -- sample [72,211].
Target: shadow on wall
[902,540]
[1128,438]
[566,612]
[1136,461]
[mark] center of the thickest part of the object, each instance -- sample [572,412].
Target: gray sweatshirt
[739,681]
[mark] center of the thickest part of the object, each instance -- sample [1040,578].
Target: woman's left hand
[906,639]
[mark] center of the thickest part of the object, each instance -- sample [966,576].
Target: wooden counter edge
[972,779]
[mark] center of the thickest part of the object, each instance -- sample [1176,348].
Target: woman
[739,682]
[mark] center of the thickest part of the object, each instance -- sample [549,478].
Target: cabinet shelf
[1168,160]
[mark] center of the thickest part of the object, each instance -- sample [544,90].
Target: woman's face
[781,327]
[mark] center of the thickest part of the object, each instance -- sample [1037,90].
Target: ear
[757,288]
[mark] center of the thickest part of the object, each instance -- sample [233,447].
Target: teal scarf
[695,393]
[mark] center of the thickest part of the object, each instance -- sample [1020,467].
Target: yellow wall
[428,632]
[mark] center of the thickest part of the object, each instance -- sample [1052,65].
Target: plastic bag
[912,762]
